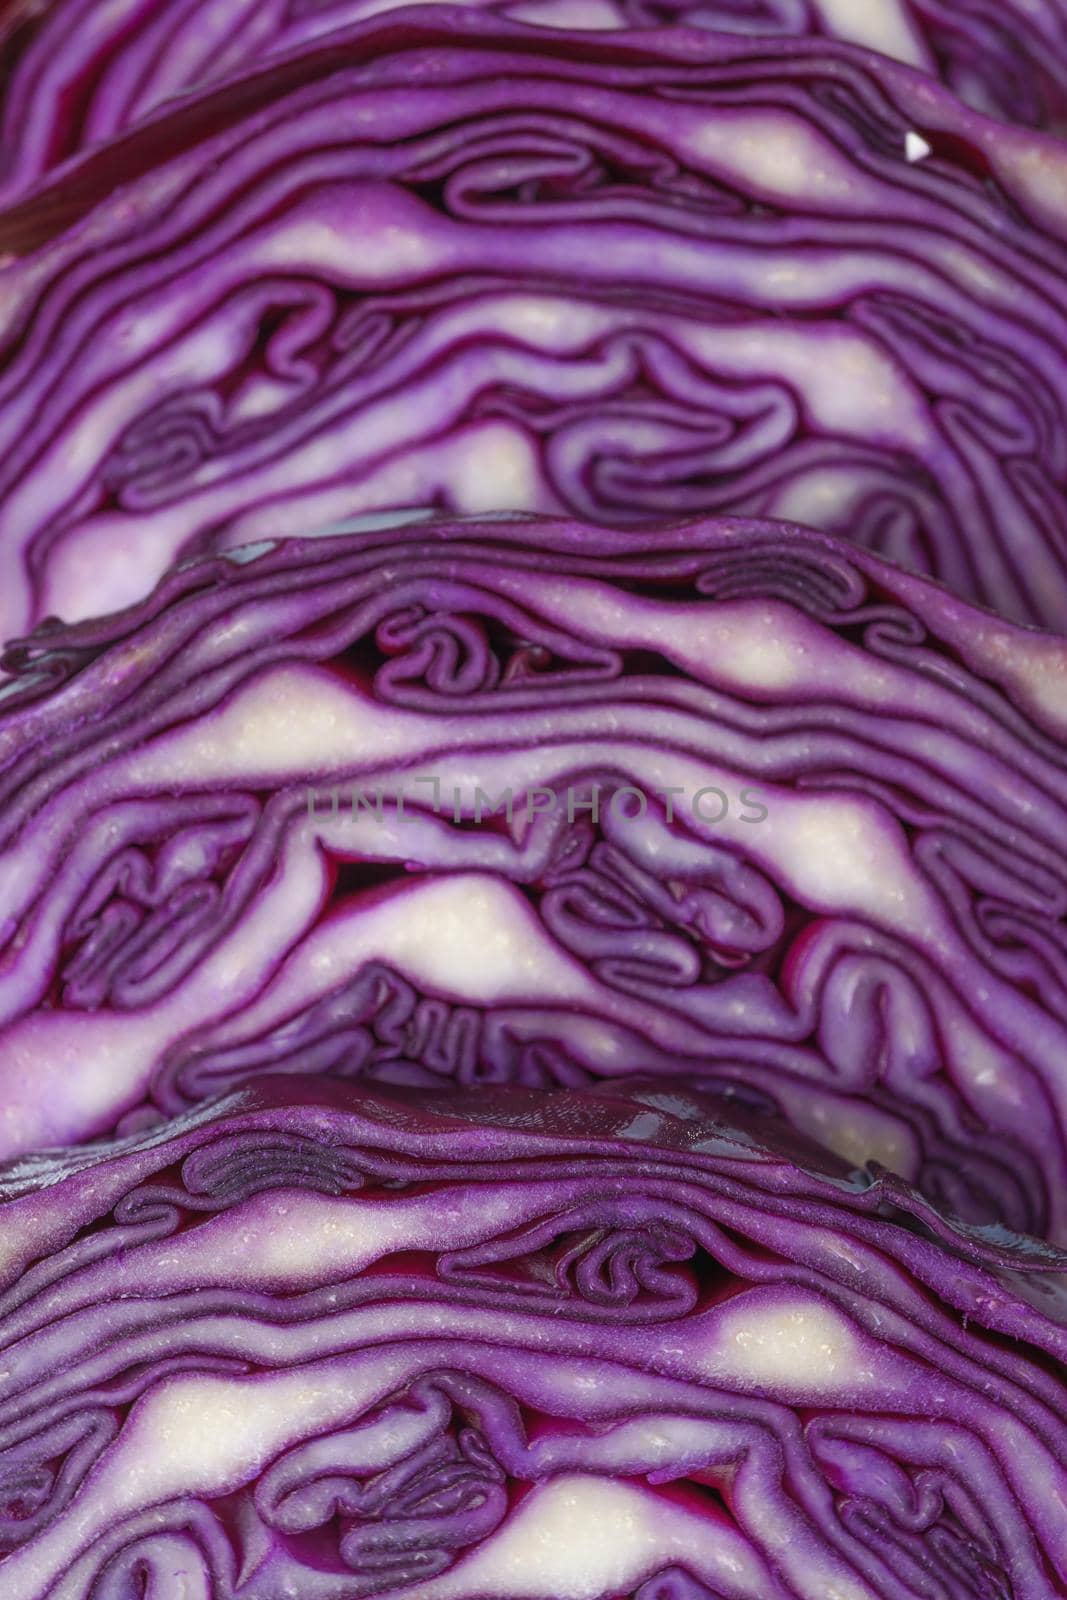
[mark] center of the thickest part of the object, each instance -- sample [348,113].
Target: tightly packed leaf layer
[330,1345]
[443,261]
[75,72]
[540,803]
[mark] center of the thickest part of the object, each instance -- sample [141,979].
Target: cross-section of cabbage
[443,260]
[526,802]
[75,73]
[324,1343]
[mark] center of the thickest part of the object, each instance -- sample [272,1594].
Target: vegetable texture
[446,261]
[262,822]
[77,72]
[324,1345]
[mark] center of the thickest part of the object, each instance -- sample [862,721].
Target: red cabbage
[532,1046]
[444,261]
[313,1344]
[860,924]
[76,72]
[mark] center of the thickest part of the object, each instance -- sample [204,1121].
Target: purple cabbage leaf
[531,802]
[328,1343]
[442,261]
[76,73]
